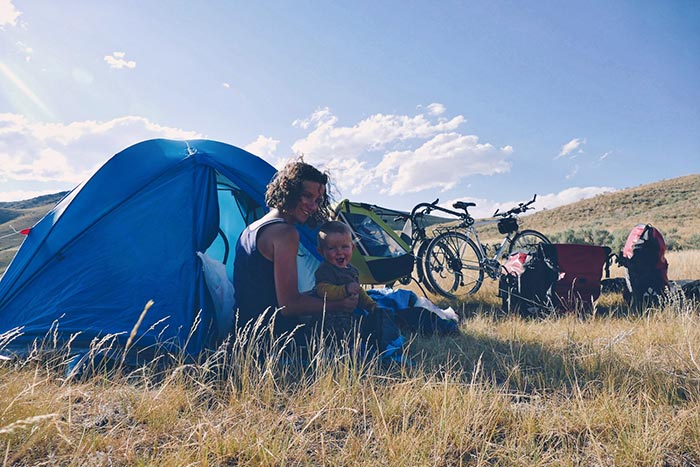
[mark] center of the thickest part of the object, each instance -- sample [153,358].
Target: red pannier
[580,273]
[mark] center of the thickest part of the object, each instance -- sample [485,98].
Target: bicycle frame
[490,265]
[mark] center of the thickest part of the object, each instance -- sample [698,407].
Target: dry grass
[683,265]
[613,389]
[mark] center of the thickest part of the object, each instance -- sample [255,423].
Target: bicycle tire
[453,265]
[527,240]
[420,261]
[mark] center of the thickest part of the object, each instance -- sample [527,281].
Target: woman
[265,269]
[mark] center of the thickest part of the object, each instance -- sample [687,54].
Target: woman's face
[312,194]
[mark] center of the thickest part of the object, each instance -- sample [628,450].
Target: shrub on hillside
[616,239]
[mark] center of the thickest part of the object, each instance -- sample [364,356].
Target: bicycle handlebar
[520,208]
[426,208]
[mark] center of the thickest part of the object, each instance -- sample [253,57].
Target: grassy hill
[670,205]
[21,215]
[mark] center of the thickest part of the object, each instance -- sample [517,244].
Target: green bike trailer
[380,254]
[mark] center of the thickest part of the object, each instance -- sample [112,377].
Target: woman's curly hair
[284,191]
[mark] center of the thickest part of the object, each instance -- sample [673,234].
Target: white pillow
[221,290]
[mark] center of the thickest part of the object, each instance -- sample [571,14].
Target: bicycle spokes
[453,265]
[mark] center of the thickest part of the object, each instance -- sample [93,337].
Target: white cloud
[263,146]
[226,85]
[485,208]
[436,109]
[572,173]
[570,195]
[397,153]
[118,60]
[442,162]
[17,195]
[571,146]
[317,118]
[351,176]
[327,140]
[605,155]
[8,13]
[65,154]
[24,49]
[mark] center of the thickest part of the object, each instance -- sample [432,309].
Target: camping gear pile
[569,277]
[558,276]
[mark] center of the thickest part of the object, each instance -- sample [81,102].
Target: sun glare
[21,86]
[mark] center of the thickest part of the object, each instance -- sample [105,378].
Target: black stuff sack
[644,258]
[526,283]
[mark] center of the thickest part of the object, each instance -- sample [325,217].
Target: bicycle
[456,262]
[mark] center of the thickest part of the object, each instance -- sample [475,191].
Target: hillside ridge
[670,205]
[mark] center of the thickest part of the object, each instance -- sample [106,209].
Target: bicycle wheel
[420,262]
[527,240]
[453,265]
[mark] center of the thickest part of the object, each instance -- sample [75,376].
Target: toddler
[337,279]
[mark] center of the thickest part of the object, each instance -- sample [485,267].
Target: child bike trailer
[381,256]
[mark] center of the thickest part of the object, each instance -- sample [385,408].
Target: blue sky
[402,101]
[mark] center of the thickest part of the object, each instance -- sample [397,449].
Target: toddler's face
[337,249]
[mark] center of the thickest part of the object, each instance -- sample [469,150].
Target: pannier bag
[380,255]
[580,273]
[526,285]
[647,269]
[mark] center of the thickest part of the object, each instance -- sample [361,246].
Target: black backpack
[525,287]
[647,269]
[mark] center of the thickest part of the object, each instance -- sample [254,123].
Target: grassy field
[596,390]
[608,387]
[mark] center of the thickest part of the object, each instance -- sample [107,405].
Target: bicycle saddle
[462,205]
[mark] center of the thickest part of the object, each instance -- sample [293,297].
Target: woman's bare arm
[284,240]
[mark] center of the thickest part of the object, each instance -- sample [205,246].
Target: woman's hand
[348,304]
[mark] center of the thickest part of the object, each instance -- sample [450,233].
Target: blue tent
[131,234]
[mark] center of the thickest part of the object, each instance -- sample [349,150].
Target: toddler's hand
[353,288]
